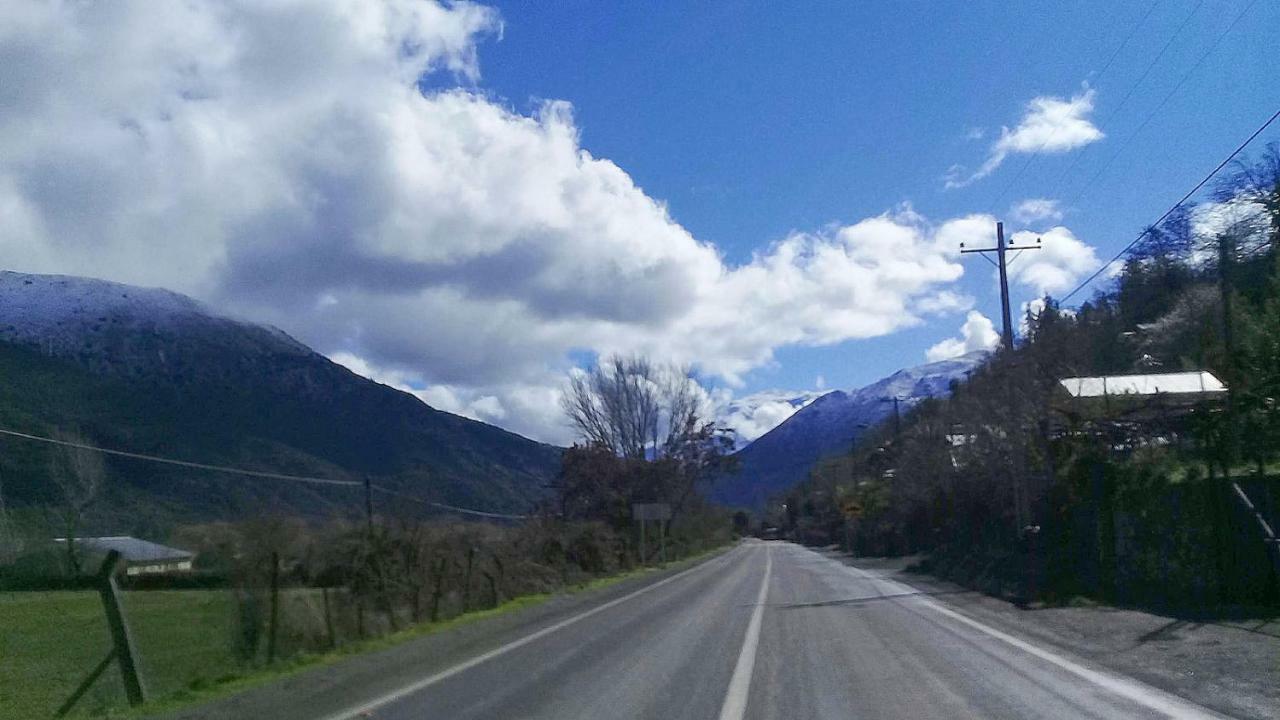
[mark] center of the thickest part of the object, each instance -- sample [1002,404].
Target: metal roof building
[142,557]
[1180,383]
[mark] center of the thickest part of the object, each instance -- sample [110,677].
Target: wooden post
[438,590]
[328,617]
[121,638]
[642,553]
[662,539]
[275,608]
[466,580]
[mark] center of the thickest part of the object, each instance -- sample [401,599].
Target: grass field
[50,641]
[185,639]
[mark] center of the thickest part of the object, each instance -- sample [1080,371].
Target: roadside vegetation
[1009,486]
[276,593]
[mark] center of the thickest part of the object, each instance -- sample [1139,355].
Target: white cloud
[1062,260]
[1034,307]
[753,415]
[977,333]
[1050,125]
[281,162]
[1036,209]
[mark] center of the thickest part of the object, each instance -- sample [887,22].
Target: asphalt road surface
[770,630]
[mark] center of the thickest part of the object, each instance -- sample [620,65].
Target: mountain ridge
[150,370]
[783,457]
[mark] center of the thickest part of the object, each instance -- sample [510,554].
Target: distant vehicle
[771,533]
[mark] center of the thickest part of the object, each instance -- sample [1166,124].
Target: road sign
[852,509]
[651,511]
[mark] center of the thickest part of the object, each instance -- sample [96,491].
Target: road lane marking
[363,709]
[735,698]
[1140,693]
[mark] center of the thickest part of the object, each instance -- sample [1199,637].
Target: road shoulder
[1230,667]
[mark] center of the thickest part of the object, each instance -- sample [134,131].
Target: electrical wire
[181,463]
[258,474]
[1092,182]
[1129,93]
[1106,66]
[446,506]
[1175,206]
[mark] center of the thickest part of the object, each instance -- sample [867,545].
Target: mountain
[156,372]
[750,416]
[783,457]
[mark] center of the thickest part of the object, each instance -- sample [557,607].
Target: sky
[470,200]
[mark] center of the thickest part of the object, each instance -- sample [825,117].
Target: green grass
[52,640]
[49,641]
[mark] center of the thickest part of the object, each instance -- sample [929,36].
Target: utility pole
[897,419]
[1002,263]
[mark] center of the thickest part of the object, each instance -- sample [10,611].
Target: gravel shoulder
[1231,666]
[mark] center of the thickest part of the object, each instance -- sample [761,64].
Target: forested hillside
[1010,486]
[154,372]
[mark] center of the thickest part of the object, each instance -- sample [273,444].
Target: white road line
[1140,693]
[357,711]
[735,698]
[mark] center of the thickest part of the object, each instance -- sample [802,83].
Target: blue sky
[751,121]
[468,200]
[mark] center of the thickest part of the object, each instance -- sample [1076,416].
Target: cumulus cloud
[753,415]
[1049,125]
[287,163]
[1061,262]
[977,333]
[1035,210]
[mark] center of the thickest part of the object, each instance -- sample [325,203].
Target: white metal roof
[133,549]
[1181,383]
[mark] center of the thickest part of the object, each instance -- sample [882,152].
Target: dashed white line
[735,698]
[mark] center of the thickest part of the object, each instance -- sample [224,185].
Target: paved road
[771,630]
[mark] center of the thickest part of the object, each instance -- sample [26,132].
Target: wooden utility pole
[1002,263]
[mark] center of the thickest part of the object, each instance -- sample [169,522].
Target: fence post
[466,582]
[275,607]
[328,616]
[121,638]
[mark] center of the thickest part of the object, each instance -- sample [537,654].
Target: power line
[1132,88]
[452,508]
[257,473]
[180,463]
[1175,206]
[1106,66]
[1151,115]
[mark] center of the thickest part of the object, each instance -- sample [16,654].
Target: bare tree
[634,407]
[77,472]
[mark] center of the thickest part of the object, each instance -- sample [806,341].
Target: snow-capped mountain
[152,370]
[783,457]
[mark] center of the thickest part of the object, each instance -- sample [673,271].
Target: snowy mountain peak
[782,457]
[67,315]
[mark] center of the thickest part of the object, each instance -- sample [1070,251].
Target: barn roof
[134,550]
[1180,383]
